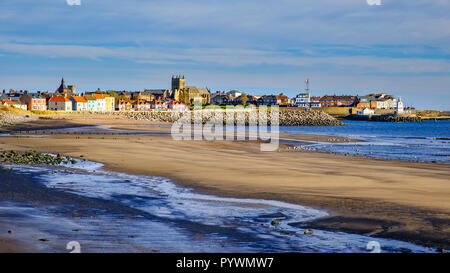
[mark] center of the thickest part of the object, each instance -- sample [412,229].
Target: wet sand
[393,199]
[20,189]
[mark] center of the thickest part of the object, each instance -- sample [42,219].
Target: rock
[441,250]
[287,117]
[275,223]
[44,240]
[309,232]
[13,157]
[386,118]
[8,119]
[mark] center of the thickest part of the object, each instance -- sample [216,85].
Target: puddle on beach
[169,218]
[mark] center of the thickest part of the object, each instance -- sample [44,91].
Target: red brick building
[336,101]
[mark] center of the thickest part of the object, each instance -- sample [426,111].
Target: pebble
[309,232]
[275,223]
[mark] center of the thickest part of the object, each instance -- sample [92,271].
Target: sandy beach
[393,199]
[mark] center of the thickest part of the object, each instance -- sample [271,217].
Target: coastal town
[243,136]
[181,97]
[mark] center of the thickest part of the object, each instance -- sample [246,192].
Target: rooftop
[59,99]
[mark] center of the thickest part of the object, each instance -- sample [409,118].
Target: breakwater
[286,117]
[385,118]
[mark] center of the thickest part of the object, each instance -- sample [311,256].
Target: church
[65,91]
[187,94]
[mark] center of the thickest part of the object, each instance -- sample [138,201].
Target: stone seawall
[286,117]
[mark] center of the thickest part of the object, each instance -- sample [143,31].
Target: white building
[79,103]
[234,93]
[386,104]
[366,112]
[315,104]
[302,100]
[101,102]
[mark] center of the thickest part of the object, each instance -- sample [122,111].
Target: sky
[355,47]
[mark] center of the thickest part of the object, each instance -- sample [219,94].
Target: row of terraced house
[65,99]
[45,101]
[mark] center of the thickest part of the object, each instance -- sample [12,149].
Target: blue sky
[346,46]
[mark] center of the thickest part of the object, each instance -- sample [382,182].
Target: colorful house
[34,101]
[282,99]
[176,106]
[14,96]
[141,105]
[6,102]
[101,102]
[123,105]
[158,105]
[78,103]
[110,103]
[60,104]
[91,102]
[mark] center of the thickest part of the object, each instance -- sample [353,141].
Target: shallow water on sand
[176,219]
[427,141]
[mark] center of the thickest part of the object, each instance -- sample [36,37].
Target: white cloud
[73,2]
[232,57]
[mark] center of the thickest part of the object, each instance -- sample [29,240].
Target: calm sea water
[426,141]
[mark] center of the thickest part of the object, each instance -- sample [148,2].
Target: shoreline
[54,238]
[336,221]
[351,210]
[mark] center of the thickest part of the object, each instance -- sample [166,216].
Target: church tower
[178,83]
[63,90]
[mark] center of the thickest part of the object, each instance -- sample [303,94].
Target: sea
[427,141]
